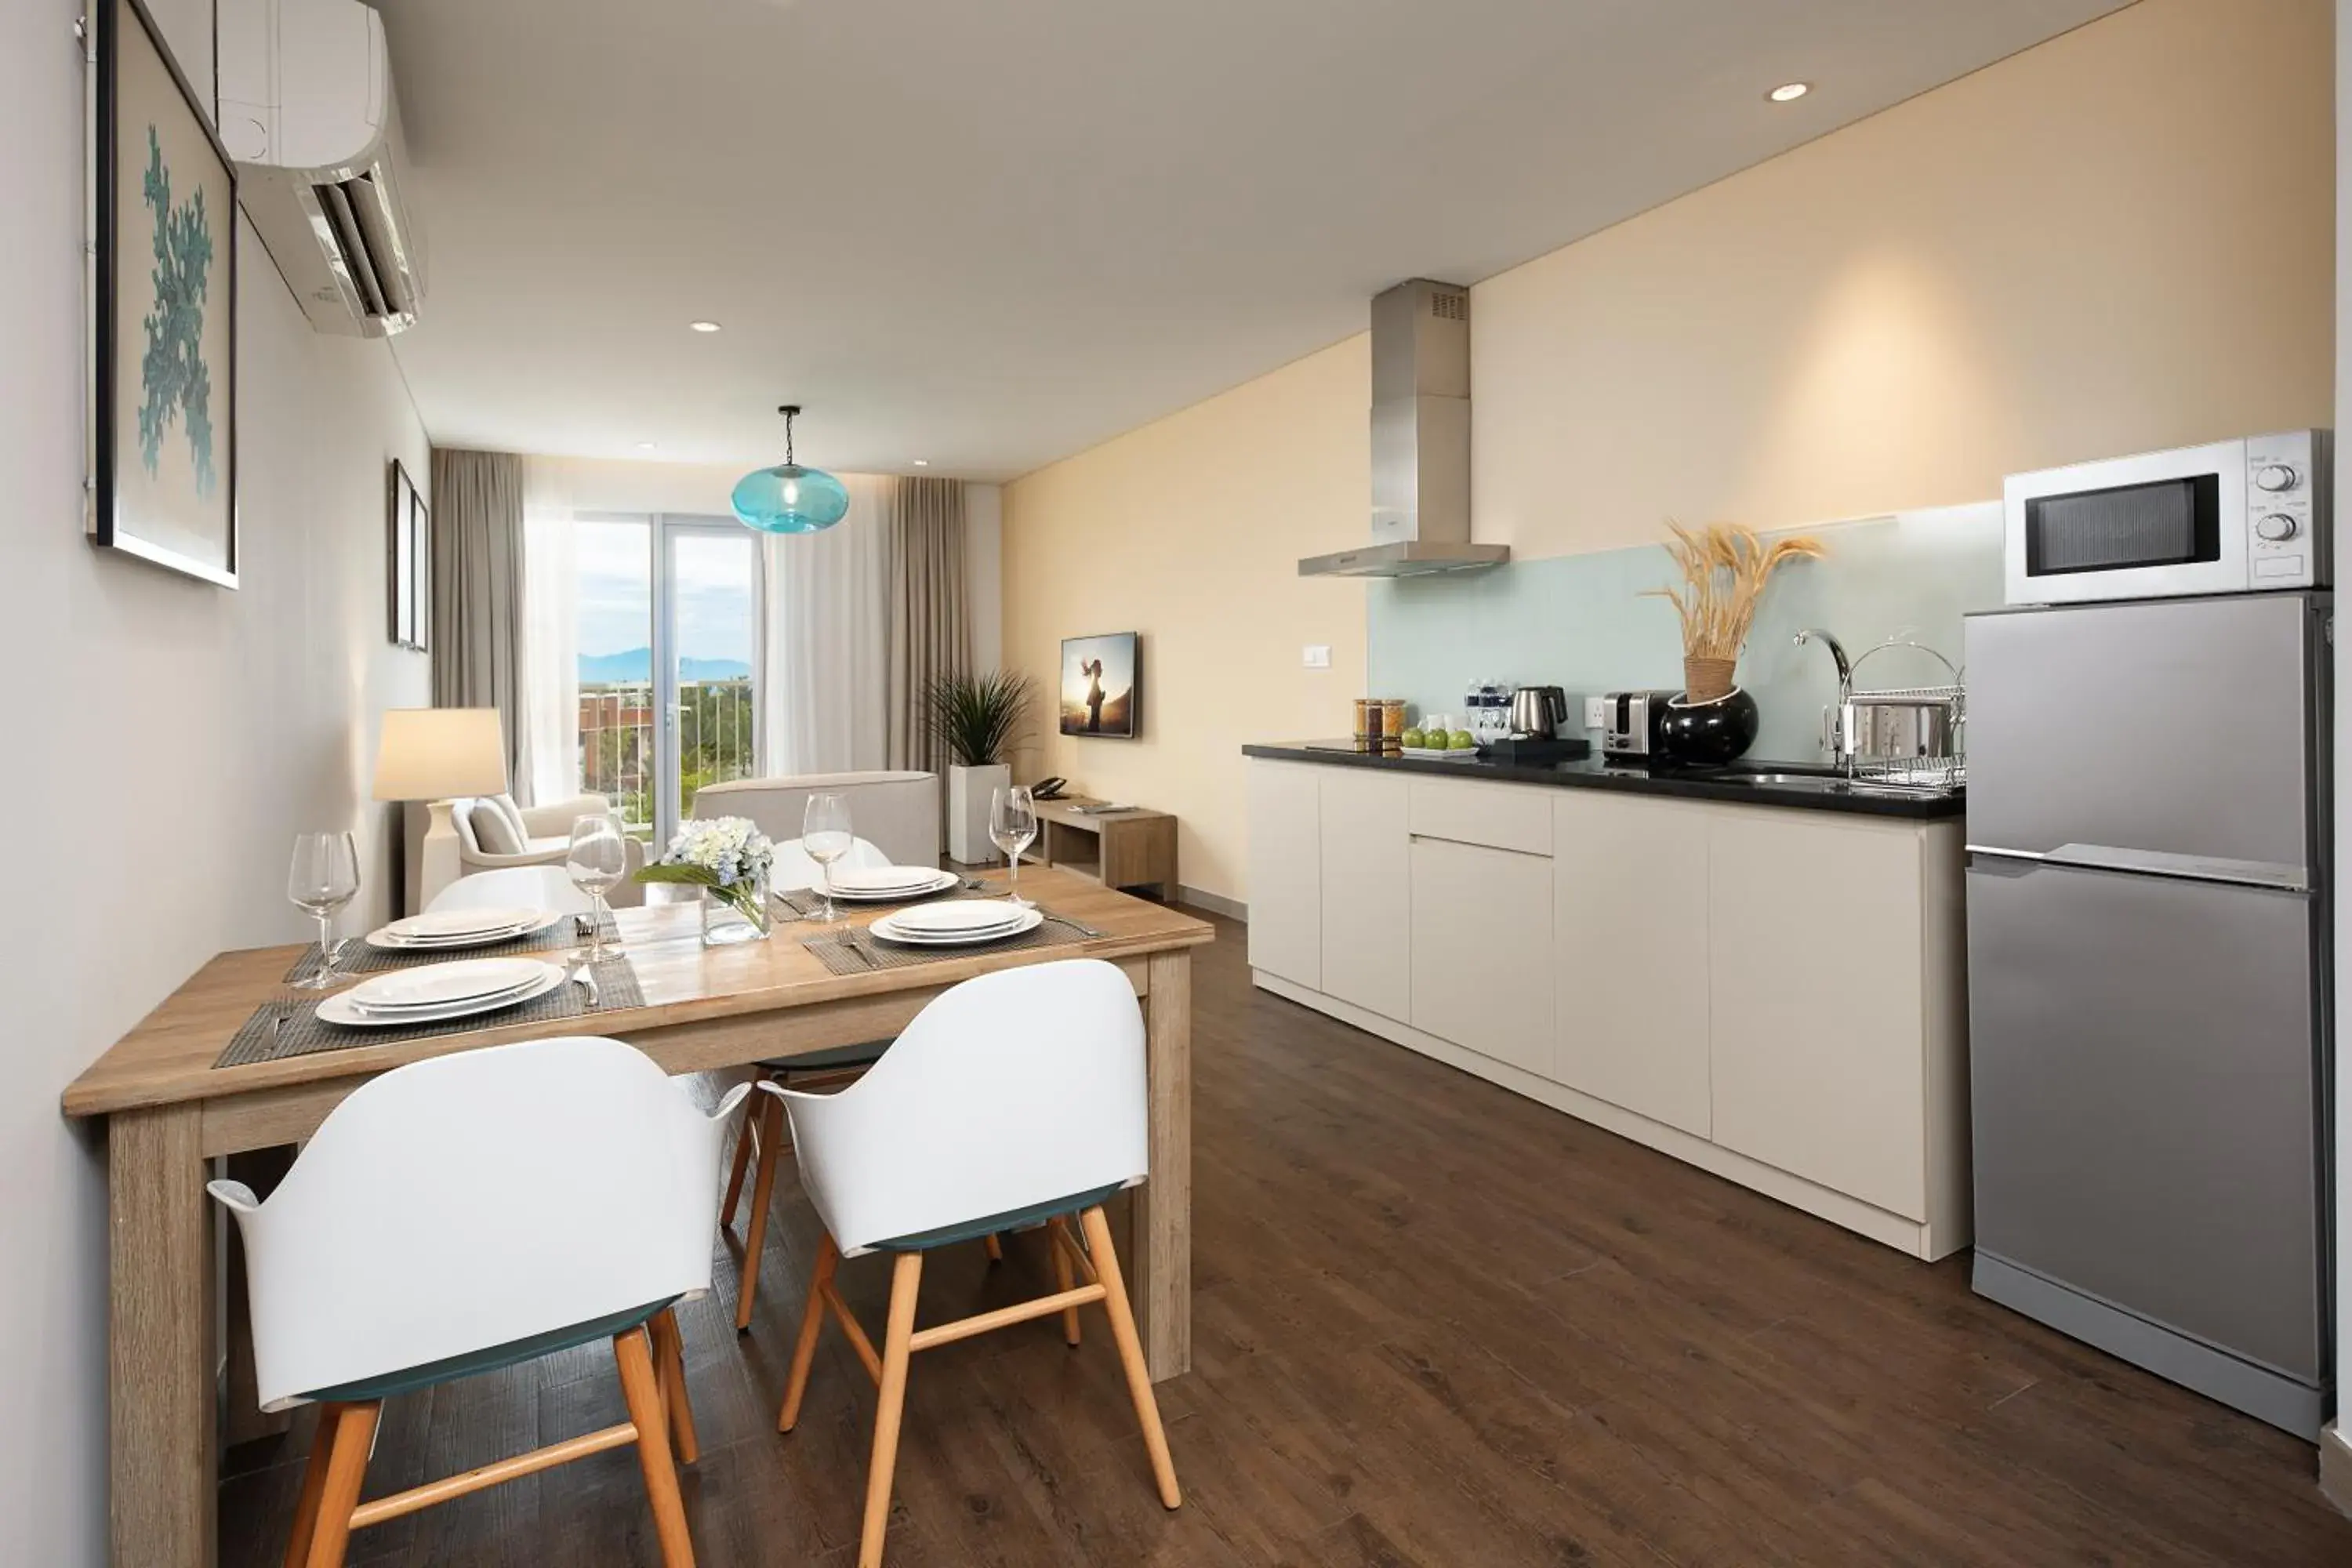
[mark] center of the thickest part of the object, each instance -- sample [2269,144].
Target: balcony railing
[716,723]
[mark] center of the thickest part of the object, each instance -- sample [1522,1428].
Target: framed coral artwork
[164,442]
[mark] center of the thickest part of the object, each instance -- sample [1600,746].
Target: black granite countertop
[1818,791]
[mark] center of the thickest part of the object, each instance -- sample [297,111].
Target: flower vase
[740,913]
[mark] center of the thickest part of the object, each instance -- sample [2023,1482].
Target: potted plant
[976,717]
[1725,569]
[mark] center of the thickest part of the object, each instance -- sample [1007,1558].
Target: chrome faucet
[1834,726]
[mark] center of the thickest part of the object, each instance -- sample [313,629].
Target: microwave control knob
[2276,476]
[2276,527]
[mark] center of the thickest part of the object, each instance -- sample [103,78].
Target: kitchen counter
[1822,791]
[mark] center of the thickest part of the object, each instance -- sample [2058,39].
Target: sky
[713,576]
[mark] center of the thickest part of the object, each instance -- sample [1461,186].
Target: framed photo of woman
[164,442]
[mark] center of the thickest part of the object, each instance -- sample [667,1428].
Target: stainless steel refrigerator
[2148,984]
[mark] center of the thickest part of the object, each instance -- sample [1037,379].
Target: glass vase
[735,914]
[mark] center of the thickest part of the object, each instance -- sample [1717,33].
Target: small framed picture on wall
[408,560]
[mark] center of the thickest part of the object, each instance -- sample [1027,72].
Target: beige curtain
[929,634]
[478,592]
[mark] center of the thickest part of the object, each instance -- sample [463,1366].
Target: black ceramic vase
[1717,731]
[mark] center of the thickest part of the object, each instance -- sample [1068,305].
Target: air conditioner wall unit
[307,110]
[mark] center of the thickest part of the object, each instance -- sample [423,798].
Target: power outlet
[1596,712]
[1316,655]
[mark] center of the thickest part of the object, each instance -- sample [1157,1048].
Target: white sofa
[899,811]
[439,855]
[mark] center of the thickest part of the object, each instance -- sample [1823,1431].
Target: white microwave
[2230,518]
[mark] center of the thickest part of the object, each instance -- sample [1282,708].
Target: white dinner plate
[444,985]
[448,923]
[882,883]
[340,1009]
[893,927]
[385,939]
[960,915]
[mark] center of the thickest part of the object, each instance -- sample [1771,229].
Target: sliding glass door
[669,611]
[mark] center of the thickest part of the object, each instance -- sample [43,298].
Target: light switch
[1317,656]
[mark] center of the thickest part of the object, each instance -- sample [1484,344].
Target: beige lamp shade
[438,753]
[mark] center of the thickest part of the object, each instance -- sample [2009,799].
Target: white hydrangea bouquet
[730,859]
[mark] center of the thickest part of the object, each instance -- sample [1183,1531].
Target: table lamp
[439,754]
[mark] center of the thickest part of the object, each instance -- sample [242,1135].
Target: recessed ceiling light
[645,446]
[922,462]
[709,326]
[1788,92]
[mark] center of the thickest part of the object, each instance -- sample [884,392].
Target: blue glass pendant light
[789,499]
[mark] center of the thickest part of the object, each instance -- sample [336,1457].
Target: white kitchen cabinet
[1818,999]
[1367,879]
[1630,929]
[1286,885]
[1482,950]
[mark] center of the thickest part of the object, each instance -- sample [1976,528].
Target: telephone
[1048,788]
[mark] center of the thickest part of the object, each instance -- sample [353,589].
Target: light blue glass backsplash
[1580,621]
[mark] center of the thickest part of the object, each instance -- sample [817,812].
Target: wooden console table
[1131,848]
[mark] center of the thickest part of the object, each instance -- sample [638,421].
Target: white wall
[170,738]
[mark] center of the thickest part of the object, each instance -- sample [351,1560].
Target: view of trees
[716,742]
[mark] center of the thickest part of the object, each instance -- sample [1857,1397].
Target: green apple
[1415,739]
[1461,740]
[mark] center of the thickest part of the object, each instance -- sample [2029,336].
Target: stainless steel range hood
[1421,441]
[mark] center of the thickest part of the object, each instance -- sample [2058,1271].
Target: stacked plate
[435,992]
[964,924]
[460,929]
[890,884]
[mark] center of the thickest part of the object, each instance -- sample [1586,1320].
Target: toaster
[1634,719]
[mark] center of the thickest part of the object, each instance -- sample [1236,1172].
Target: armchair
[441,855]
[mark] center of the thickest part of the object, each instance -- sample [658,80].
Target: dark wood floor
[1435,1325]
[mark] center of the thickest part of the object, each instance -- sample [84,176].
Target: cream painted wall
[172,737]
[2122,240]
[1189,531]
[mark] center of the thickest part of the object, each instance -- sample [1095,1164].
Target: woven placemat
[263,1040]
[803,903]
[849,950]
[358,957]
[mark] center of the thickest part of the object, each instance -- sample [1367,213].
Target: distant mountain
[637,665]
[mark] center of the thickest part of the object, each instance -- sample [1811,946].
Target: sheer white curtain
[825,665]
[550,661]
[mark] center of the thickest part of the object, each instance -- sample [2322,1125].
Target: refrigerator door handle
[2271,874]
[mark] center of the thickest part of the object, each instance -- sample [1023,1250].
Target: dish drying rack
[1907,737]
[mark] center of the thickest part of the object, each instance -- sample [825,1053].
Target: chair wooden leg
[996,1247]
[1130,1352]
[642,1388]
[339,1493]
[314,1486]
[771,1116]
[812,1324]
[669,1362]
[735,1172]
[905,1279]
[1065,1278]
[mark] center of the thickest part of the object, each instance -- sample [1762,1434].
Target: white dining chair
[764,1139]
[527,887]
[471,1212]
[1014,1100]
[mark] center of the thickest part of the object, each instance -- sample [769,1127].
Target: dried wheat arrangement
[1724,568]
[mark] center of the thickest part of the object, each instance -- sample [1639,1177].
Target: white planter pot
[970,791]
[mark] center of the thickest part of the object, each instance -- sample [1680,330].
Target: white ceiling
[992,233]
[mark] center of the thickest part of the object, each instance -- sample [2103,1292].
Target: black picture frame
[407,559]
[182,350]
[1119,717]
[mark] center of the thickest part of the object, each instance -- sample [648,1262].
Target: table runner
[262,1038]
[358,957]
[849,950]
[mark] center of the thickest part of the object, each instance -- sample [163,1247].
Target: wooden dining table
[168,1113]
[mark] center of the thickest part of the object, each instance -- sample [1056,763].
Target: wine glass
[1012,824]
[824,838]
[323,877]
[597,860]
